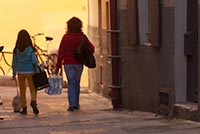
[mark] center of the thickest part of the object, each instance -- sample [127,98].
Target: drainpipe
[115,92]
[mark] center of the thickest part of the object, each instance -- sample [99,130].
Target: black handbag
[84,54]
[40,79]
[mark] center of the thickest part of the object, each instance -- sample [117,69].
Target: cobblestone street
[95,117]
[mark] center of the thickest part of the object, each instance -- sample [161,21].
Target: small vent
[164,101]
[164,98]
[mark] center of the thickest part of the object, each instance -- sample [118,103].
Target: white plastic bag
[55,85]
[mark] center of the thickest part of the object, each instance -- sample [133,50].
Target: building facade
[147,54]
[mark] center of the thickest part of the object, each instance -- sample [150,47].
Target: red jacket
[68,46]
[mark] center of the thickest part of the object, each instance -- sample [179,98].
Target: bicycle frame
[49,60]
[3,58]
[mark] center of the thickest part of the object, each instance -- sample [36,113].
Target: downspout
[115,92]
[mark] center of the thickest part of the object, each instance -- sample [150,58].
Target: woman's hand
[56,71]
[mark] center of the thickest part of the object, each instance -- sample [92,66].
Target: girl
[23,63]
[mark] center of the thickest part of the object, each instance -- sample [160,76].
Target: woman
[73,68]
[23,64]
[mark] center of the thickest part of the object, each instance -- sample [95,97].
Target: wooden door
[191,49]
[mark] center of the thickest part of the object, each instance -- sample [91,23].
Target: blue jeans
[73,73]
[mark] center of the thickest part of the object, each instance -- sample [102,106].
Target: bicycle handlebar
[38,34]
[1,48]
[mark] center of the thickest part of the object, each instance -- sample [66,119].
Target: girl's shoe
[34,106]
[24,111]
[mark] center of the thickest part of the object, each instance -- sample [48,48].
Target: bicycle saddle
[1,48]
[48,38]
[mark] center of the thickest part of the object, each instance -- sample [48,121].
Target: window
[144,22]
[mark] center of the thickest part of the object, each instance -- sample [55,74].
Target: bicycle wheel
[51,63]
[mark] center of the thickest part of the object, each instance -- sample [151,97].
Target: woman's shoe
[71,108]
[24,111]
[34,106]
[76,107]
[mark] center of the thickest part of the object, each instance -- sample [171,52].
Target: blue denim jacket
[24,61]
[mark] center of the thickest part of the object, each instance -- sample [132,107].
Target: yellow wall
[39,16]
[94,13]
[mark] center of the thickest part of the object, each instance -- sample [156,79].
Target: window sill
[146,44]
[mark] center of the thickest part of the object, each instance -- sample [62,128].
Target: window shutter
[155,23]
[132,22]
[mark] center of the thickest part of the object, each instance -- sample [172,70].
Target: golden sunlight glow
[38,16]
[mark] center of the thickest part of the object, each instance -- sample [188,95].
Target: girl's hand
[13,78]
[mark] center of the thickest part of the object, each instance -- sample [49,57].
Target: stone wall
[146,69]
[6,81]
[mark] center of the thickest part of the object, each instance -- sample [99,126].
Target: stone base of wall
[6,81]
[186,111]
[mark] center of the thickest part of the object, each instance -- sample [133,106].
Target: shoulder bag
[40,79]
[84,54]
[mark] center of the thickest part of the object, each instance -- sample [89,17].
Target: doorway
[191,50]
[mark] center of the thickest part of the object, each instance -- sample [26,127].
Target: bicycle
[48,60]
[3,58]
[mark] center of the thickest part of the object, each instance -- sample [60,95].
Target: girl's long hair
[23,41]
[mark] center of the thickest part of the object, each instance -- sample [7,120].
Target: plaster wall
[146,69]
[100,77]
[199,59]
[180,58]
[93,13]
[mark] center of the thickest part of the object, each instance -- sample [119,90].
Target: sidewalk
[95,117]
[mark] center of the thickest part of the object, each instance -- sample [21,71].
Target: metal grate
[164,101]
